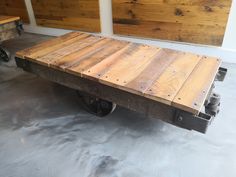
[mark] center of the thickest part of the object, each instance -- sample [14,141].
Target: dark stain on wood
[49,17]
[157,29]
[208,9]
[131,13]
[134,2]
[126,21]
[178,12]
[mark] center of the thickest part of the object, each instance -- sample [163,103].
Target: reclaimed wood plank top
[171,77]
[7,19]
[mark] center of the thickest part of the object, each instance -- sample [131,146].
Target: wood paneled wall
[14,8]
[70,14]
[195,21]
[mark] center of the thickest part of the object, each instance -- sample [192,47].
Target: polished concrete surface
[45,133]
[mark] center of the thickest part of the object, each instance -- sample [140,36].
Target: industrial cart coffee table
[10,27]
[170,85]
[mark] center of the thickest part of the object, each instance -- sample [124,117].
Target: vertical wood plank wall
[70,14]
[194,21]
[14,8]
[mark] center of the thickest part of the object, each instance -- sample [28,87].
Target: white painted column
[30,12]
[106,17]
[230,34]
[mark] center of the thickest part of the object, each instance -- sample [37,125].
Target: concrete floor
[44,133]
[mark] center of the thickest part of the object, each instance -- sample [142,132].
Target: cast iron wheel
[215,99]
[96,106]
[213,105]
[4,55]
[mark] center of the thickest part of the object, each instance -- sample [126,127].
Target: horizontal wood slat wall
[14,8]
[194,21]
[71,14]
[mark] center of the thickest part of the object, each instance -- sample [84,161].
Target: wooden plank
[171,80]
[57,46]
[48,43]
[192,94]
[153,71]
[77,56]
[100,68]
[201,21]
[187,14]
[172,31]
[68,50]
[7,19]
[93,59]
[82,24]
[108,69]
[14,8]
[78,15]
[127,68]
[86,55]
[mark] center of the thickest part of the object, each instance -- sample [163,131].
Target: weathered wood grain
[46,44]
[7,19]
[171,80]
[152,72]
[162,75]
[195,21]
[14,8]
[76,57]
[68,51]
[8,27]
[91,60]
[194,91]
[98,70]
[127,68]
[73,14]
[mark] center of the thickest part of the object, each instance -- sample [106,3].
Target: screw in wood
[180,118]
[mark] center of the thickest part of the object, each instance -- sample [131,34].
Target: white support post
[106,17]
[30,12]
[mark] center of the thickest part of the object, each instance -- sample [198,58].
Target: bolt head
[180,118]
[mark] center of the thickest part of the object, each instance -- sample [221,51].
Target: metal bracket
[193,122]
[220,76]
[19,27]
[22,63]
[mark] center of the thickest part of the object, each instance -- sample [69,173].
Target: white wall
[227,52]
[230,34]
